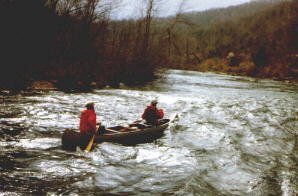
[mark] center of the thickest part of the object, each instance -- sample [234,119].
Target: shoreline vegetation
[76,46]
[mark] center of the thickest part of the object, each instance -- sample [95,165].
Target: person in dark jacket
[152,114]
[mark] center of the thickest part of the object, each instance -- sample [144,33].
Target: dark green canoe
[130,135]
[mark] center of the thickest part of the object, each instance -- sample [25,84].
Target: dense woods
[73,44]
[76,45]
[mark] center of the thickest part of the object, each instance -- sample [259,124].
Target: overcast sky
[129,8]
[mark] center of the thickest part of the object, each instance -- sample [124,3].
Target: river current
[232,136]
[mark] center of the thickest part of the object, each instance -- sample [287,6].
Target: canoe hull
[134,137]
[71,138]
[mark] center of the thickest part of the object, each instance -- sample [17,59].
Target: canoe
[130,135]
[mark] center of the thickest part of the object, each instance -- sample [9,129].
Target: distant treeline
[257,39]
[74,44]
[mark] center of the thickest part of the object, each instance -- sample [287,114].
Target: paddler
[152,114]
[88,124]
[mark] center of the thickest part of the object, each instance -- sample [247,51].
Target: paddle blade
[90,144]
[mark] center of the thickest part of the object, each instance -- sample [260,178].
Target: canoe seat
[117,129]
[111,130]
[139,125]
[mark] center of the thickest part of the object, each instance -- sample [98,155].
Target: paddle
[90,144]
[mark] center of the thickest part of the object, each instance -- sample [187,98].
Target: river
[233,136]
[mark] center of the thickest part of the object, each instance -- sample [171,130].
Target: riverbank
[214,66]
[278,72]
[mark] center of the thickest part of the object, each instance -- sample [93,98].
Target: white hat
[154,101]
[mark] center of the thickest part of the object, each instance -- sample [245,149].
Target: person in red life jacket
[88,120]
[87,124]
[152,114]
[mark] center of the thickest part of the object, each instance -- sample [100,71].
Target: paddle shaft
[90,144]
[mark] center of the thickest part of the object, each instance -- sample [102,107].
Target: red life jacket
[152,114]
[88,121]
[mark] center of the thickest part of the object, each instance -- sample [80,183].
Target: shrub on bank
[278,71]
[213,64]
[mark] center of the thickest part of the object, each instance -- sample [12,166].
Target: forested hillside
[233,13]
[258,38]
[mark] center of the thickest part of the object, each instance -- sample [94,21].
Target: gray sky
[129,8]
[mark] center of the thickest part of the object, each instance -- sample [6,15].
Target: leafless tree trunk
[147,22]
[170,30]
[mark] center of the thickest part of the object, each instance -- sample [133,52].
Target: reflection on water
[234,135]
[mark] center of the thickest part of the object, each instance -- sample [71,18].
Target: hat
[154,101]
[89,105]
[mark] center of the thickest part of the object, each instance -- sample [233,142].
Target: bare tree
[170,34]
[147,22]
